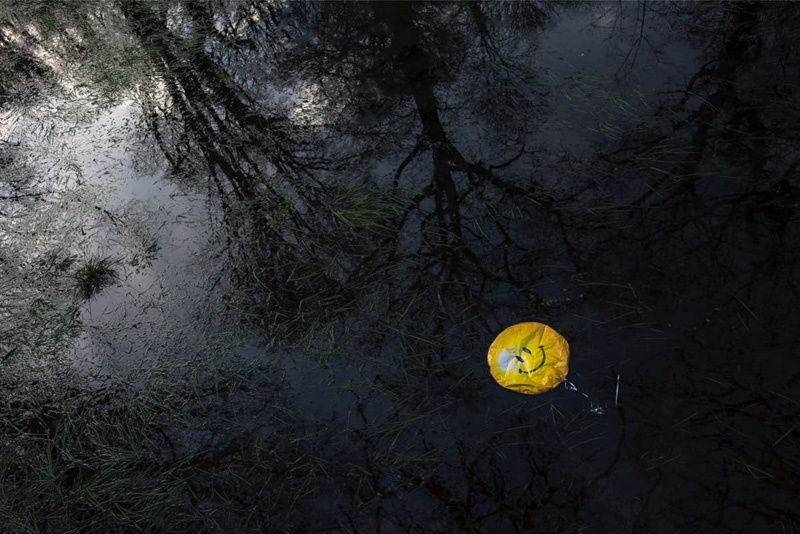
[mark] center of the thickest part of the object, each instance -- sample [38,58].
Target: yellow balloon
[529,358]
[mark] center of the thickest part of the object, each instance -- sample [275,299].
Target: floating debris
[529,358]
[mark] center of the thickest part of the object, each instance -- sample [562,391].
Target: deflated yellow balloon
[529,358]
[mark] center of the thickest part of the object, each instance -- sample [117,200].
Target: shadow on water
[315,218]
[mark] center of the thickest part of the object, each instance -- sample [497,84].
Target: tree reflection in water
[390,200]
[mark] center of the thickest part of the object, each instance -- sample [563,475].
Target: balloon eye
[519,358]
[526,350]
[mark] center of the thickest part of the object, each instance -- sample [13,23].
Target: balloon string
[594,406]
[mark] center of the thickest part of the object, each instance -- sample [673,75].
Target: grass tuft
[95,275]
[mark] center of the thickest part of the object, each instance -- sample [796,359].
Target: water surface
[319,216]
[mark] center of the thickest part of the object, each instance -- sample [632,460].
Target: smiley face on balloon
[529,358]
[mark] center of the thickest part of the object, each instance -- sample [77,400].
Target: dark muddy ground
[253,255]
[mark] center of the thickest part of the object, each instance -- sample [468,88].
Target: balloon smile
[541,363]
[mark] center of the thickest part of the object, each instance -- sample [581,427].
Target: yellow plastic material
[529,358]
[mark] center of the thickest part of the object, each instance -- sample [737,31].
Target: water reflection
[391,184]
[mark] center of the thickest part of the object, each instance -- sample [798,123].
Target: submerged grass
[95,275]
[174,456]
[365,211]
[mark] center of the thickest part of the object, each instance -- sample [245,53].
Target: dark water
[319,216]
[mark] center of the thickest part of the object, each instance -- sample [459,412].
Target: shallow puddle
[254,254]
